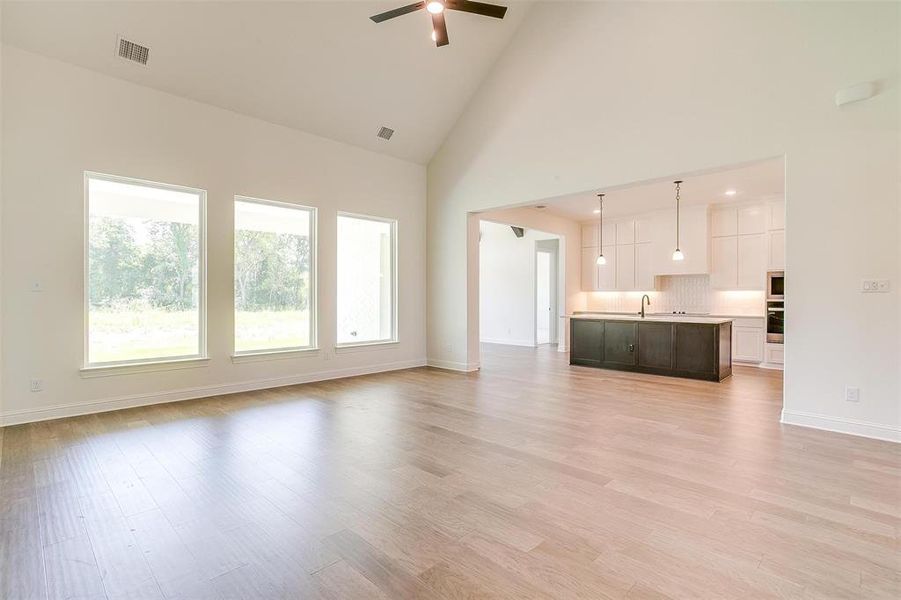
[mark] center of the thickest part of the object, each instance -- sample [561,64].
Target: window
[145,271]
[367,297]
[274,282]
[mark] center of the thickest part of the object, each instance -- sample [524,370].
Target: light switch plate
[852,394]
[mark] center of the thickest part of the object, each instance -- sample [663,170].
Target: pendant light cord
[677,215]
[601,224]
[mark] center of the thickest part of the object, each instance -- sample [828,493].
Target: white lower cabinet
[747,340]
[775,354]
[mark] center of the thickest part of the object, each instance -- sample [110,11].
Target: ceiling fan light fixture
[434,7]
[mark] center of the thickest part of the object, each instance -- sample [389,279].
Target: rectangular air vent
[385,133]
[134,52]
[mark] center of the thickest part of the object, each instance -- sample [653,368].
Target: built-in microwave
[775,285]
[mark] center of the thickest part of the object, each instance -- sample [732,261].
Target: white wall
[60,120]
[595,95]
[569,295]
[507,284]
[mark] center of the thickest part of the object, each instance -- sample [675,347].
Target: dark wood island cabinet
[692,347]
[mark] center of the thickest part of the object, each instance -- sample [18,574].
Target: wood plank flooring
[530,479]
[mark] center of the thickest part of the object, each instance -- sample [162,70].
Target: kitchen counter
[660,317]
[691,346]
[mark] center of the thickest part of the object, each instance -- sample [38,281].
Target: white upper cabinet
[607,273]
[625,267]
[776,210]
[723,221]
[589,269]
[692,239]
[644,267]
[752,261]
[644,230]
[752,219]
[777,251]
[589,235]
[724,262]
[735,245]
[625,232]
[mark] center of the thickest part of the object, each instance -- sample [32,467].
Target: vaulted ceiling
[321,67]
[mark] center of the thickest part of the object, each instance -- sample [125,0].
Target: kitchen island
[673,345]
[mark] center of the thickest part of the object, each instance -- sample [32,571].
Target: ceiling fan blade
[439,26]
[397,12]
[479,8]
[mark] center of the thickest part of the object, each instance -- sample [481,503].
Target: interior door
[543,298]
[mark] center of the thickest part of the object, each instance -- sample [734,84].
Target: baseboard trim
[450,365]
[20,417]
[524,343]
[866,429]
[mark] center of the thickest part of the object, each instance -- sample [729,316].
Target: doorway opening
[519,285]
[546,291]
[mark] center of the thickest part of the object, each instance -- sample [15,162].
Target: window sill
[144,367]
[245,357]
[363,346]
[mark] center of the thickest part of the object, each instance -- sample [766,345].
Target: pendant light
[677,255]
[601,260]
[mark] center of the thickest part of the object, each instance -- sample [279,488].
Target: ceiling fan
[437,8]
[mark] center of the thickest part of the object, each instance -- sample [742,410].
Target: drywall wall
[60,120]
[569,257]
[594,95]
[507,284]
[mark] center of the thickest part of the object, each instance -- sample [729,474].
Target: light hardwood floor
[530,479]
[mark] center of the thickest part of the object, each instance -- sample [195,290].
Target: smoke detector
[129,50]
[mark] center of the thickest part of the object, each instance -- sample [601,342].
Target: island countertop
[657,318]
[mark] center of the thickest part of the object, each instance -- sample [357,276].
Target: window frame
[314,280]
[202,354]
[395,337]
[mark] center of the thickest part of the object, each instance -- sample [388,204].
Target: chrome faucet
[642,304]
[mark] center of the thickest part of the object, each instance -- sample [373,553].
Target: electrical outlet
[875,286]
[852,394]
[37,385]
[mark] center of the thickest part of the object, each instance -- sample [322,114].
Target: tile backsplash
[689,293]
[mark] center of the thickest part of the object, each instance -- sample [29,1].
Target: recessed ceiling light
[597,211]
[730,192]
[434,7]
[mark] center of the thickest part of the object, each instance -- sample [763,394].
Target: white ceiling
[750,182]
[321,67]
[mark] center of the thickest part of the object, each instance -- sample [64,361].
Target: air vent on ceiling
[134,52]
[385,133]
